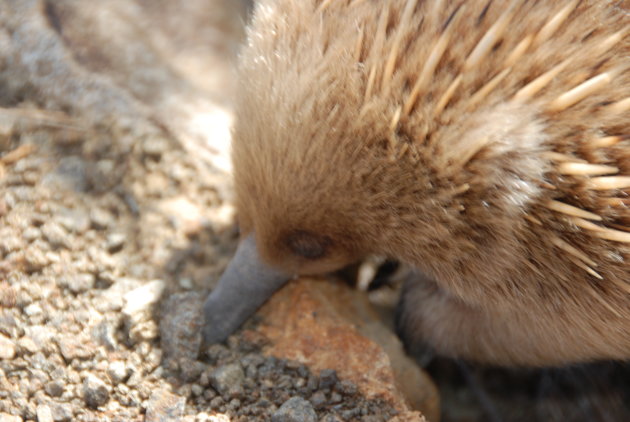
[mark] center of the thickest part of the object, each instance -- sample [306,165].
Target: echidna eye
[307,245]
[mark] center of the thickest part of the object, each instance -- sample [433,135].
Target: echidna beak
[244,286]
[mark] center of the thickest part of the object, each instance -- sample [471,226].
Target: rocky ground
[116,220]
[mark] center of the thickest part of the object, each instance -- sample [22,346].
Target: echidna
[486,143]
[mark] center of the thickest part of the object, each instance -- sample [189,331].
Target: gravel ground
[105,258]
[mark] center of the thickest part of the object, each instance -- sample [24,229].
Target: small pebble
[330,417]
[56,235]
[62,412]
[155,146]
[75,220]
[227,379]
[7,348]
[318,399]
[117,371]
[44,414]
[164,406]
[95,392]
[54,389]
[31,233]
[33,309]
[115,242]
[75,348]
[35,259]
[141,299]
[78,283]
[335,398]
[296,409]
[327,378]
[101,219]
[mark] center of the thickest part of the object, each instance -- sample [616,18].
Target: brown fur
[340,151]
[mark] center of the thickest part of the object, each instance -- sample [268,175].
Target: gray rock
[95,392]
[104,333]
[335,398]
[227,379]
[196,390]
[54,388]
[296,409]
[180,326]
[164,407]
[190,369]
[7,348]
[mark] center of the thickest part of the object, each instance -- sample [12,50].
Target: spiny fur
[485,143]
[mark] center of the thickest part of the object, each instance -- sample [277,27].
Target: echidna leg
[429,316]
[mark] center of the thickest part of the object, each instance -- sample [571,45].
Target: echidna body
[484,143]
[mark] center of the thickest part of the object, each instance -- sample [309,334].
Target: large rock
[327,325]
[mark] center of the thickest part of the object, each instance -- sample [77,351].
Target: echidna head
[327,169]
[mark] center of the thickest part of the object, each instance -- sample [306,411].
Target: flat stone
[329,326]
